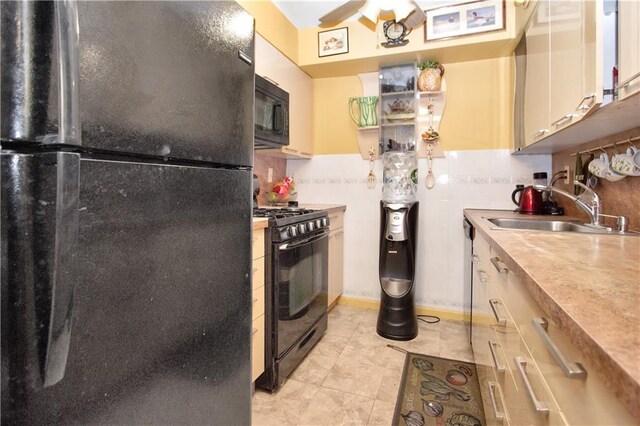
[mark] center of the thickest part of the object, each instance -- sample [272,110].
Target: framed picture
[464,19]
[333,42]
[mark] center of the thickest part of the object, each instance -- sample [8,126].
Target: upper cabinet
[568,89]
[274,66]
[628,48]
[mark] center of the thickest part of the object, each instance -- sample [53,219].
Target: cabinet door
[536,96]
[336,265]
[566,61]
[628,48]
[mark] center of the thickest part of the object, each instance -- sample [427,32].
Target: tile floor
[351,377]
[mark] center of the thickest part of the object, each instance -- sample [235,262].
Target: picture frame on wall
[464,19]
[333,42]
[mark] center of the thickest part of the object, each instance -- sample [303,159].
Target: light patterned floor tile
[348,375]
[313,369]
[332,407]
[381,414]
[390,385]
[284,407]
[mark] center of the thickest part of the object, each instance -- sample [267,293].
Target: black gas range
[296,288]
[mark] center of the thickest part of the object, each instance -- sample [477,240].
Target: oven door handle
[290,246]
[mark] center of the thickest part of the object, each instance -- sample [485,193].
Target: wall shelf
[368,128]
[406,92]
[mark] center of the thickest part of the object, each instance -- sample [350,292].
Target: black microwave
[271,115]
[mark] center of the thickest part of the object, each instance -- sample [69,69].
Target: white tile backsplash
[465,179]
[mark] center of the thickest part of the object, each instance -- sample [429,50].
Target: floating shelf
[407,92]
[436,93]
[368,128]
[411,123]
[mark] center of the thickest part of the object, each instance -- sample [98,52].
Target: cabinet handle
[539,133]
[254,269]
[339,233]
[582,106]
[255,300]
[500,267]
[254,331]
[573,370]
[499,319]
[627,81]
[560,121]
[539,406]
[499,368]
[483,276]
[499,415]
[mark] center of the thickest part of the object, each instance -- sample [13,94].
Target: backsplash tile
[465,179]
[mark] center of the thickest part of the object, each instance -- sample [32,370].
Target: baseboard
[420,310]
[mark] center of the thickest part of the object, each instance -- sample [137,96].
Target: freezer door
[161,313]
[171,79]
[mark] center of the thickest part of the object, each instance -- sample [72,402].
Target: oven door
[300,280]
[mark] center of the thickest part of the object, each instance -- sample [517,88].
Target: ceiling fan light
[402,9]
[370,11]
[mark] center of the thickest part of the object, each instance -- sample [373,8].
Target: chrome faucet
[590,207]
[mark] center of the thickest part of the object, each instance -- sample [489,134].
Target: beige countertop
[589,284]
[327,207]
[260,223]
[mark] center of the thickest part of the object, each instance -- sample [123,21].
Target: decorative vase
[430,79]
[367,110]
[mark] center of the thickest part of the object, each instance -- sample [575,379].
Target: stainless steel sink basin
[550,225]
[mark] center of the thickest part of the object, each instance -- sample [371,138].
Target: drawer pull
[584,105]
[561,120]
[499,415]
[499,319]
[573,370]
[539,133]
[255,300]
[628,81]
[483,276]
[254,331]
[500,267]
[254,269]
[539,406]
[499,368]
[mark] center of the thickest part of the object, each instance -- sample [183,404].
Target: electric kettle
[530,201]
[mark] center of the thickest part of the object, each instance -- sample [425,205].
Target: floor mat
[438,391]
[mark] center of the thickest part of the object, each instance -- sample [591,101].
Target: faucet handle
[622,222]
[596,199]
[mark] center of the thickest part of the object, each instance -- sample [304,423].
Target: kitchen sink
[551,226]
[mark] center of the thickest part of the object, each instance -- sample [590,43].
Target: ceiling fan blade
[342,12]
[416,18]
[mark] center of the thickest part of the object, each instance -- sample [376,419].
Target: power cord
[434,321]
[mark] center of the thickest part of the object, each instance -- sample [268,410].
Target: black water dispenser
[397,263]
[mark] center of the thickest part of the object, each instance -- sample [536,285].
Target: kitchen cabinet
[519,343]
[271,64]
[336,256]
[258,318]
[628,48]
[563,66]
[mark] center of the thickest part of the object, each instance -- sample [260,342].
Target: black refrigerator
[127,148]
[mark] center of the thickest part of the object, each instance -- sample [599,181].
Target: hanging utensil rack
[609,145]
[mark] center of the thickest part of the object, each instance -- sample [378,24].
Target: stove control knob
[301,228]
[324,221]
[310,226]
[293,231]
[318,224]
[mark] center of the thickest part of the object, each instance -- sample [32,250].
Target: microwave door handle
[291,246]
[278,118]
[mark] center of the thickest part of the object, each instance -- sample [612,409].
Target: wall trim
[420,310]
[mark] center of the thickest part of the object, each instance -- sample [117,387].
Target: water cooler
[398,229]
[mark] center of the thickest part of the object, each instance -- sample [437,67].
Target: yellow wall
[274,26]
[333,130]
[478,114]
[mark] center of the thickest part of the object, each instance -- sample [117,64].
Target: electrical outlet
[567,175]
[270,175]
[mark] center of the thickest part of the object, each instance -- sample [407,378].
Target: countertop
[260,223]
[588,284]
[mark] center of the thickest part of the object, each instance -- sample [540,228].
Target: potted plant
[430,77]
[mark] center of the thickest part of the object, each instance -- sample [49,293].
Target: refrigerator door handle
[67,34]
[40,197]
